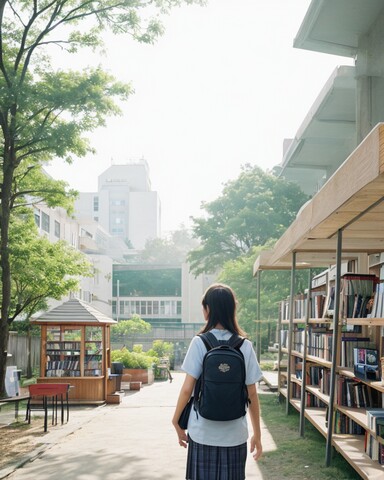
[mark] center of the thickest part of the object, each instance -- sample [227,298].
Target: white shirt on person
[211,432]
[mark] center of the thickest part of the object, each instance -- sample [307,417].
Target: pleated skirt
[206,462]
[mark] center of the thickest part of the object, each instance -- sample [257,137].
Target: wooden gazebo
[75,349]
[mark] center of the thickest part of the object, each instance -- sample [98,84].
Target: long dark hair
[221,301]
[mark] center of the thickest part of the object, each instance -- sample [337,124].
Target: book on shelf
[320,345]
[357,290]
[351,393]
[378,302]
[284,338]
[366,363]
[317,303]
[373,448]
[345,425]
[348,344]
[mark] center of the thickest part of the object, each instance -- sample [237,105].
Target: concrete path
[130,441]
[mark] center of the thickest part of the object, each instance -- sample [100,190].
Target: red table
[45,392]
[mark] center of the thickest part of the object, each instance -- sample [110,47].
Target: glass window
[53,333]
[57,229]
[37,216]
[95,204]
[45,222]
[143,308]
[149,308]
[178,308]
[156,307]
[93,333]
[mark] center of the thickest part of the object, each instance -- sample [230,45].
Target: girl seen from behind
[217,450]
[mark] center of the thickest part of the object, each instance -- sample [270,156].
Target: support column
[258,318]
[290,330]
[304,367]
[335,340]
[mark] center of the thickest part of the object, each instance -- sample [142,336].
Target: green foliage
[297,457]
[161,349]
[168,251]
[46,112]
[132,359]
[253,209]
[137,348]
[274,286]
[130,328]
[24,326]
[40,269]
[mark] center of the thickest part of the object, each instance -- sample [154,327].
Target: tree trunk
[29,352]
[4,334]
[5,211]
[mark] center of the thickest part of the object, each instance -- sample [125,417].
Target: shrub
[132,359]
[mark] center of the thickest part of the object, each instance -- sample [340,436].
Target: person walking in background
[217,450]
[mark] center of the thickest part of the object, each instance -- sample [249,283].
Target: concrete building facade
[124,205]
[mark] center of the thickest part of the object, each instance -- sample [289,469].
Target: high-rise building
[124,205]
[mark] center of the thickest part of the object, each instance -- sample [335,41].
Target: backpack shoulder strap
[210,341]
[236,341]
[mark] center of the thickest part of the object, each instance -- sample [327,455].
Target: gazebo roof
[74,311]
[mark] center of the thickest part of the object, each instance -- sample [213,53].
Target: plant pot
[143,375]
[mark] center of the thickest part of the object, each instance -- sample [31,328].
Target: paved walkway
[130,441]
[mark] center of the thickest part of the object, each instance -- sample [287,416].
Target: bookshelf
[75,349]
[342,230]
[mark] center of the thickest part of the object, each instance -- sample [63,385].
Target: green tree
[252,209]
[274,286]
[129,328]
[40,270]
[172,250]
[238,274]
[44,112]
[161,349]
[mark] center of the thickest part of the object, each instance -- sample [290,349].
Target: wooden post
[304,364]
[328,452]
[290,331]
[258,326]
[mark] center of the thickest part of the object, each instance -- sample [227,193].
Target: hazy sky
[222,87]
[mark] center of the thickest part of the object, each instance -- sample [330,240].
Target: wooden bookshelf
[345,220]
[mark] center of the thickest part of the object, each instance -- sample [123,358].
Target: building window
[149,308]
[95,204]
[117,203]
[156,307]
[57,229]
[96,219]
[37,216]
[45,222]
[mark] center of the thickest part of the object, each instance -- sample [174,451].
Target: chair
[44,392]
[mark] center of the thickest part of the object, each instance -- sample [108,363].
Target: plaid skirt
[206,462]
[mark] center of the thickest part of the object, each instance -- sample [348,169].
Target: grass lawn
[297,457]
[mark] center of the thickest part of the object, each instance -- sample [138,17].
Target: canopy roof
[352,201]
[326,28]
[74,311]
[326,136]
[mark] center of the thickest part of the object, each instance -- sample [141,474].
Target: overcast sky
[222,87]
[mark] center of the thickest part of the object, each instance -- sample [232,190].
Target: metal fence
[18,348]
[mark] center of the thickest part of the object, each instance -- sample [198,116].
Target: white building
[93,241]
[124,205]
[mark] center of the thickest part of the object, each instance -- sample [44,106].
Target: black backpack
[220,392]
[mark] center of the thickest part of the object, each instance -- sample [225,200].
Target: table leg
[45,405]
